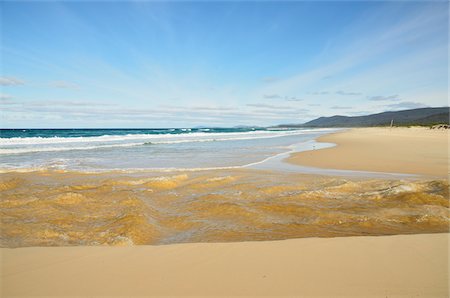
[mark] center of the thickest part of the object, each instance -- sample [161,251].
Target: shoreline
[415,151]
[276,162]
[99,154]
[402,265]
[233,165]
[231,210]
[352,152]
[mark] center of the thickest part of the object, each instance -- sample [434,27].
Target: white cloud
[5,96]
[10,81]
[285,97]
[340,107]
[83,111]
[406,105]
[384,98]
[319,93]
[267,106]
[357,60]
[272,96]
[351,93]
[64,85]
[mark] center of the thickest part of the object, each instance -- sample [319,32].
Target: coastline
[416,150]
[392,266]
[233,206]
[149,152]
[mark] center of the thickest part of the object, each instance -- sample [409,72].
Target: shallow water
[169,149]
[52,208]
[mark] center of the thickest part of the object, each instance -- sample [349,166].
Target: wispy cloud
[5,96]
[384,98]
[340,107]
[270,79]
[10,81]
[272,96]
[69,103]
[52,103]
[250,114]
[198,108]
[318,92]
[379,62]
[406,105]
[340,92]
[371,55]
[64,85]
[172,113]
[5,102]
[285,97]
[267,106]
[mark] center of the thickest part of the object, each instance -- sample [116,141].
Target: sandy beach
[224,148]
[236,206]
[387,266]
[416,150]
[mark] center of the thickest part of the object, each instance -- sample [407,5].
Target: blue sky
[183,64]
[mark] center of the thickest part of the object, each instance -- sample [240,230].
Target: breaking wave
[19,145]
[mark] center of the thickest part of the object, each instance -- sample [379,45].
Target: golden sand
[383,266]
[416,150]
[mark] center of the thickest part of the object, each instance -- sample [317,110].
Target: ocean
[167,149]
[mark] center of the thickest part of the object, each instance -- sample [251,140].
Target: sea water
[146,149]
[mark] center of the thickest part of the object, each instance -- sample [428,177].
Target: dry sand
[395,150]
[385,266]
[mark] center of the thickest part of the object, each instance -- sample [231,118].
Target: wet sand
[66,209]
[385,266]
[420,151]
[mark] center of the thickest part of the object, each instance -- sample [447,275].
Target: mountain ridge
[421,116]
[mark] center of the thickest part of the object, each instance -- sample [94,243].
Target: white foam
[37,144]
[117,138]
[50,149]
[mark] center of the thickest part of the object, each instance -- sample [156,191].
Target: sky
[80,64]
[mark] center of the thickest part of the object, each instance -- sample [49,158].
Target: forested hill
[422,116]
